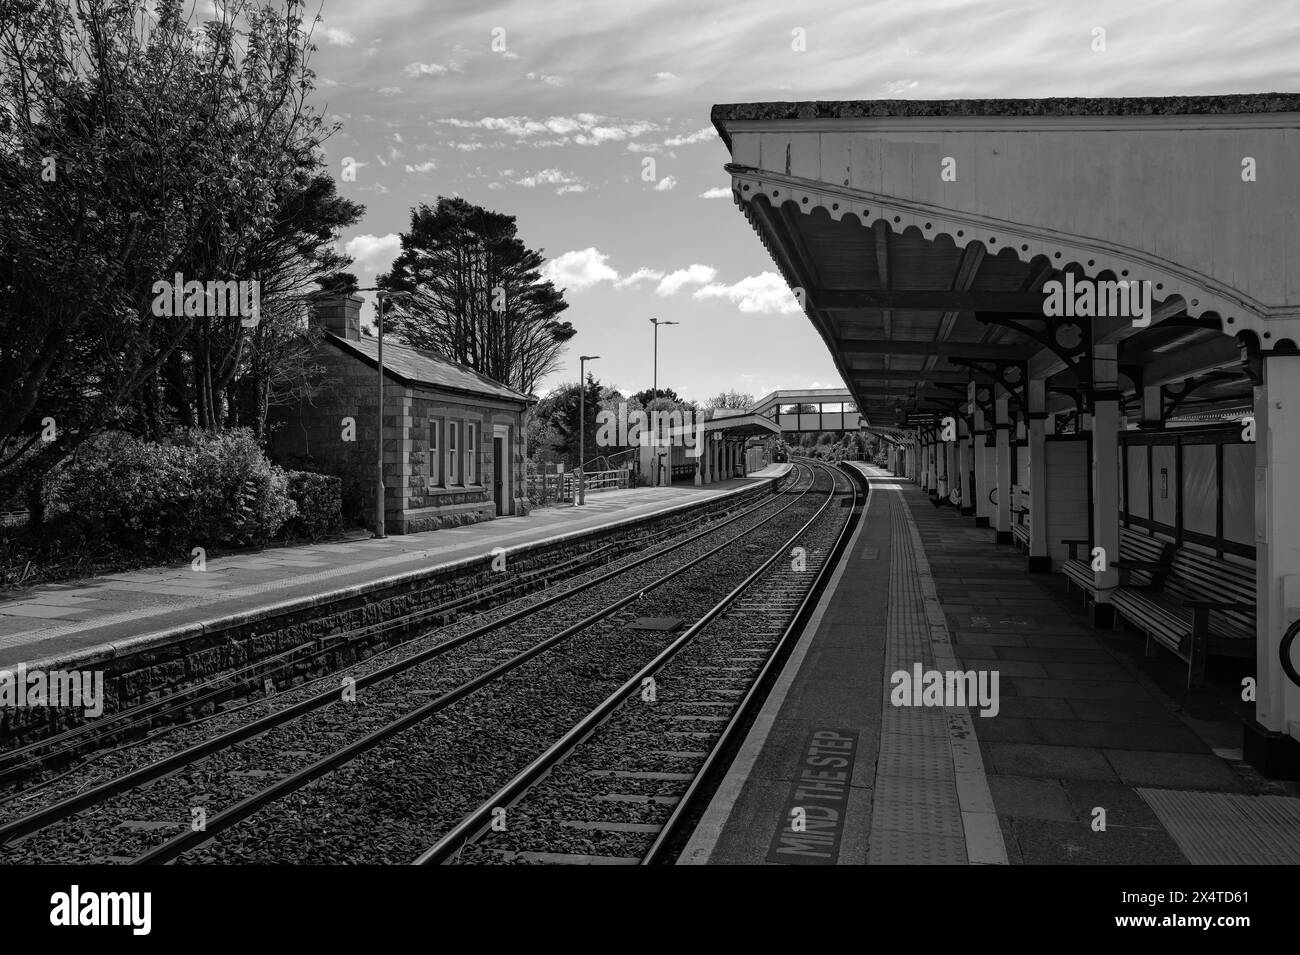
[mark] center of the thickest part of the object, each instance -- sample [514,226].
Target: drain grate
[1229,829]
[657,624]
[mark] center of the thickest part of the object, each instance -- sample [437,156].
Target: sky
[589,122]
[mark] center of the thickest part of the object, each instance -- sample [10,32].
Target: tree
[555,423]
[731,400]
[649,395]
[133,147]
[477,295]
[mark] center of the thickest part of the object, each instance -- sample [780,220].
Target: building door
[498,473]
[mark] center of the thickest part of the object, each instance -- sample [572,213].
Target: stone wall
[414,500]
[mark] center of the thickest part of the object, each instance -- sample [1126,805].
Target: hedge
[161,498]
[319,501]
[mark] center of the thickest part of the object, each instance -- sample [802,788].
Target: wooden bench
[1204,604]
[1020,523]
[1143,560]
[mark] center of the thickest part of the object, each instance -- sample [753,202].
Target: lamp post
[654,393]
[582,425]
[656,322]
[381,295]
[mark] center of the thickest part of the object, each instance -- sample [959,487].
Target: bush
[122,492]
[319,500]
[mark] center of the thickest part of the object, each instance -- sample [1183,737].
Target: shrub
[319,500]
[159,499]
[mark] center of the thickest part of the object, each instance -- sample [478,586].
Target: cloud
[579,269]
[766,292]
[584,129]
[665,76]
[468,147]
[427,166]
[894,87]
[424,69]
[389,91]
[666,183]
[696,274]
[707,134]
[337,37]
[548,78]
[699,136]
[563,181]
[374,253]
[640,275]
[717,192]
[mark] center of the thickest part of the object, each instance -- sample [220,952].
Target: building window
[435,459]
[471,454]
[453,452]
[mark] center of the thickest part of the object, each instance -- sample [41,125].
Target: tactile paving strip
[929,805]
[1227,828]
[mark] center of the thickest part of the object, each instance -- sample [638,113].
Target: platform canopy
[920,236]
[1087,310]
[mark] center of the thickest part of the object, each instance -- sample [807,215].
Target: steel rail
[472,825]
[176,846]
[72,805]
[757,689]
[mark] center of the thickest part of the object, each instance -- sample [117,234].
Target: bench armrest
[1127,564]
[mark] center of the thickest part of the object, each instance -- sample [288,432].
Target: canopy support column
[1271,740]
[965,461]
[1039,559]
[983,506]
[1105,475]
[1002,425]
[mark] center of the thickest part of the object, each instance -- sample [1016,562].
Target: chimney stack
[339,314]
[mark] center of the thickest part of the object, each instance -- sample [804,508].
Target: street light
[654,393]
[379,434]
[656,323]
[582,425]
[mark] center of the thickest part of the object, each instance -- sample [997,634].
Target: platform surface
[65,619]
[1089,759]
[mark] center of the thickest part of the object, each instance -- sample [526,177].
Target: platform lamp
[582,425]
[656,322]
[654,393]
[381,295]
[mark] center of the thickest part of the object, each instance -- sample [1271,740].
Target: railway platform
[66,620]
[1089,752]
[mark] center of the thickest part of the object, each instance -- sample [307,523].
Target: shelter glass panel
[1137,481]
[1239,493]
[1200,488]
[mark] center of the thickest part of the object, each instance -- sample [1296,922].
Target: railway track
[621,786]
[197,703]
[129,813]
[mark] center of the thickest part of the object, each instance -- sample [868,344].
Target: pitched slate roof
[411,366]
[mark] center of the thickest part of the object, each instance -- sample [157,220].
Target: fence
[555,488]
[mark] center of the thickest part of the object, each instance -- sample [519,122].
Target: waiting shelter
[1079,317]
